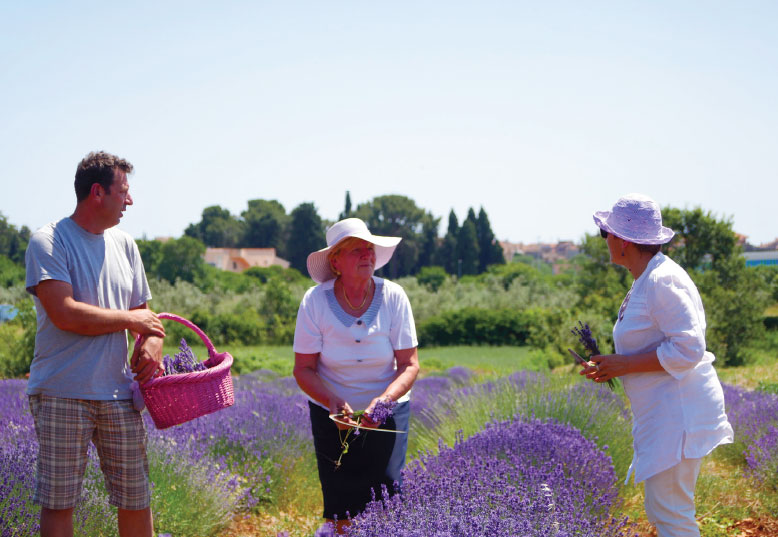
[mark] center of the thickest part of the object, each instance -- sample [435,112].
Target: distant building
[240,259]
[557,255]
[763,257]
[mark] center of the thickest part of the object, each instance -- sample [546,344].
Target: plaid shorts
[65,427]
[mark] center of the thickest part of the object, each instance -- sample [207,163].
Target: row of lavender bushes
[524,455]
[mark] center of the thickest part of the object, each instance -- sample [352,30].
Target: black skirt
[373,459]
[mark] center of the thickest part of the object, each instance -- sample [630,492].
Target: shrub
[17,341]
[475,326]
[432,277]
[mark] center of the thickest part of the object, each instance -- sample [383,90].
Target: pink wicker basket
[179,398]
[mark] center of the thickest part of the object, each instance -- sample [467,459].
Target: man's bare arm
[73,316]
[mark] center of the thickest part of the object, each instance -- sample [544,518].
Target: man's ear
[96,190]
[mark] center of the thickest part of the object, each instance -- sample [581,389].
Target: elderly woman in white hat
[355,344]
[659,336]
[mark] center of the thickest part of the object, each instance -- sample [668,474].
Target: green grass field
[485,361]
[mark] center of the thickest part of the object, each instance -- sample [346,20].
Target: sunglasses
[603,234]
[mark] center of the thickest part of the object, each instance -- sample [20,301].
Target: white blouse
[679,412]
[356,354]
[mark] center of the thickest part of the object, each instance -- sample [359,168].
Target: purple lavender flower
[754,417]
[184,361]
[584,334]
[382,411]
[533,478]
[585,337]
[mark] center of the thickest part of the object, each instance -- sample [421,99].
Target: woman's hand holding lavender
[584,334]
[377,413]
[374,416]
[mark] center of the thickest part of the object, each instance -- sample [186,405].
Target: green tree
[151,254]
[490,251]
[467,247]
[447,253]
[306,235]
[428,241]
[700,238]
[10,273]
[347,209]
[266,225]
[13,241]
[181,259]
[735,298]
[218,228]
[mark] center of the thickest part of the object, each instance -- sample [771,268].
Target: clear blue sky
[541,112]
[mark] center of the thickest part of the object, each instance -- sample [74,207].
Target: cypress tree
[490,250]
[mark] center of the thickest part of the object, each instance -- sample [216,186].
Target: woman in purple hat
[355,345]
[659,336]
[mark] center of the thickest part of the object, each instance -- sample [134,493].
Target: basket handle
[189,324]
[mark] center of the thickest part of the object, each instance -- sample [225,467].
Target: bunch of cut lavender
[584,335]
[184,361]
[381,412]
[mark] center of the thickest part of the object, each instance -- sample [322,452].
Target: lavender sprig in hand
[584,335]
[381,412]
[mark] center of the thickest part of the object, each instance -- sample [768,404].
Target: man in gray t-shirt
[89,287]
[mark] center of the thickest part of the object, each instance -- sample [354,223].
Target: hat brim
[319,268]
[664,236]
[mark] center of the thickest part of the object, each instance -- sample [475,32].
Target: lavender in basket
[585,337]
[184,361]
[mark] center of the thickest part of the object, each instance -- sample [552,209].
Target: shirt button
[359,321]
[357,340]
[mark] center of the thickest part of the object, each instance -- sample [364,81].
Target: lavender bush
[18,455]
[599,413]
[202,472]
[754,417]
[528,478]
[259,438]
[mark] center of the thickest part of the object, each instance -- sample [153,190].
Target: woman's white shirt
[356,354]
[679,412]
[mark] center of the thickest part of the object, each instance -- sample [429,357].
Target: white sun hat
[318,265]
[636,218]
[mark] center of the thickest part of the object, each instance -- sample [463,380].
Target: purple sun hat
[636,218]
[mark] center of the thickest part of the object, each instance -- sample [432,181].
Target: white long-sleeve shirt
[678,412]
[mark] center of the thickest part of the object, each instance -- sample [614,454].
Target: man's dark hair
[97,167]
[652,249]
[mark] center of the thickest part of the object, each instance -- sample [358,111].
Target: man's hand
[145,322]
[146,361]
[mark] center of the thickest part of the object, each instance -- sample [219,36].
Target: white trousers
[670,500]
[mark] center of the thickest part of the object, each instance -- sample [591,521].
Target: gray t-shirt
[104,270]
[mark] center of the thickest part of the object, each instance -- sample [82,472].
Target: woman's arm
[407,371]
[609,366]
[305,372]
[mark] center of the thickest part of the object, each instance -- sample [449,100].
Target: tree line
[465,249]
[521,302]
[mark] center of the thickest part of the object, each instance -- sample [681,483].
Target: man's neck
[86,221]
